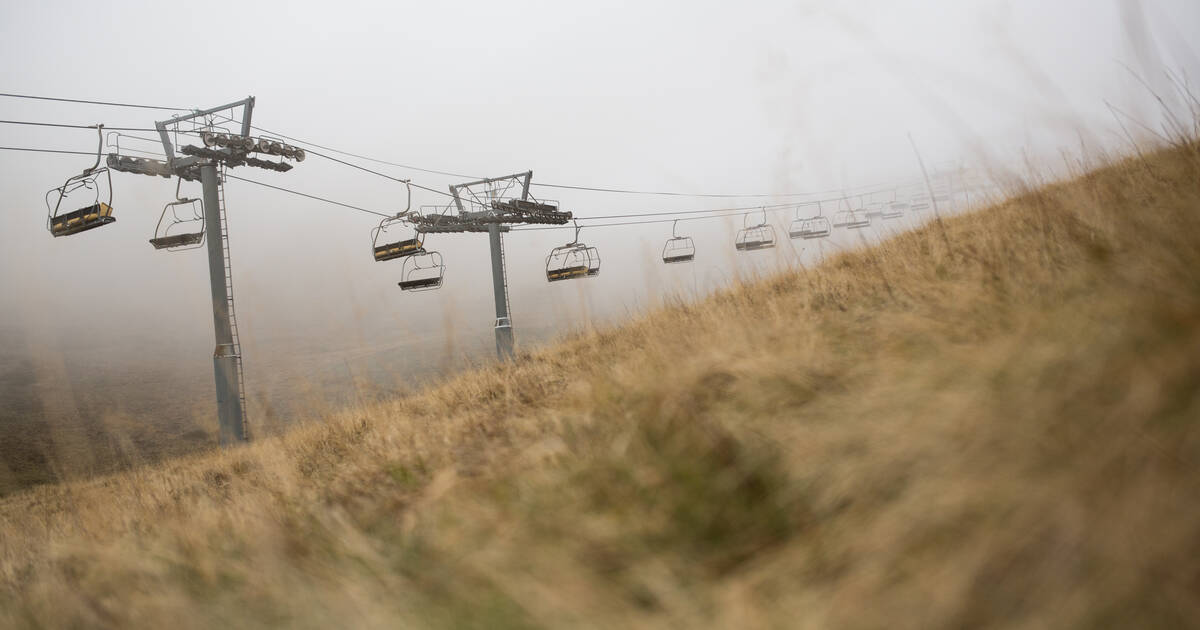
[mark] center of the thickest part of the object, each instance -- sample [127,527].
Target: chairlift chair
[887,209]
[678,249]
[755,237]
[816,226]
[96,214]
[573,260]
[850,218]
[384,248]
[892,209]
[181,225]
[391,250]
[422,271]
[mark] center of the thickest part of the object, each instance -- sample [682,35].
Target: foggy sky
[765,97]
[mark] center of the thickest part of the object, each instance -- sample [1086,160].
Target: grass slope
[990,422]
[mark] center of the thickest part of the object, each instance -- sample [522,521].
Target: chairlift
[895,208]
[573,260]
[889,209]
[941,191]
[98,213]
[384,248]
[422,271]
[816,226]
[850,218]
[678,249]
[755,237]
[181,225]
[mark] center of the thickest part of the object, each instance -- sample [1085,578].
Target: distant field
[993,420]
[72,408]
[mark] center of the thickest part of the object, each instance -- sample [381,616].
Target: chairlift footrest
[177,240]
[82,220]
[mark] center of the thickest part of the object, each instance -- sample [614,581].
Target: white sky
[694,96]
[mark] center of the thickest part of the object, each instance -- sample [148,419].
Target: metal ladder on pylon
[233,326]
[504,274]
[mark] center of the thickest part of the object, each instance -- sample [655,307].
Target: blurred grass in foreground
[990,421]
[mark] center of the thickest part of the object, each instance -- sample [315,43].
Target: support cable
[68,126]
[90,102]
[47,150]
[452,174]
[867,187]
[314,197]
[682,215]
[625,223]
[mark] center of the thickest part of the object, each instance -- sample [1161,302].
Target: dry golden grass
[987,423]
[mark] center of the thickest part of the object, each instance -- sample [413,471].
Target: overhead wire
[69,126]
[410,167]
[249,181]
[551,185]
[314,197]
[296,139]
[709,195]
[91,102]
[623,223]
[673,214]
[450,173]
[875,188]
[47,150]
[363,157]
[681,216]
[331,158]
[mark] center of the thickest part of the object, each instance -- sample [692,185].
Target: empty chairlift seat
[678,249]
[850,218]
[422,271]
[873,210]
[177,241]
[387,242]
[941,191]
[97,213]
[755,237]
[397,249]
[572,261]
[815,226]
[811,227]
[181,225]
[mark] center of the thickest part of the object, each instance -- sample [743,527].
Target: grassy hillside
[992,421]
